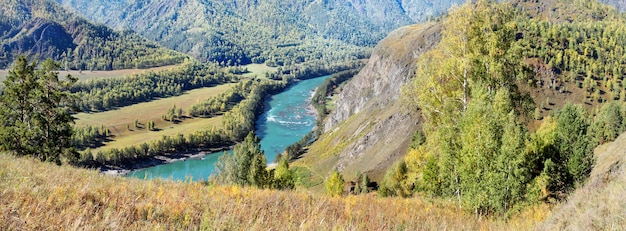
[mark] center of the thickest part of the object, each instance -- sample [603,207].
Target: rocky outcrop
[369,129]
[391,65]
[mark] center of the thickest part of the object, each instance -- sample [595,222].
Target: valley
[286,118]
[312,115]
[121,122]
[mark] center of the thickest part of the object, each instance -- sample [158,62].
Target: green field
[258,70]
[118,121]
[87,75]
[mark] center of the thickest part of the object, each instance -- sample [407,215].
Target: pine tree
[34,113]
[575,144]
[364,184]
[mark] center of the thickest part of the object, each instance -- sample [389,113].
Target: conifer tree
[35,114]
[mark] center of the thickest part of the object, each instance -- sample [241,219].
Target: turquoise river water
[286,120]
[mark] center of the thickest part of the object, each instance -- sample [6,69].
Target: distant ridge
[44,29]
[247,31]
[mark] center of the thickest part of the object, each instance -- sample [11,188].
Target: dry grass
[39,196]
[118,120]
[88,75]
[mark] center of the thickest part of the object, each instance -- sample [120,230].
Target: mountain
[369,129]
[44,29]
[275,32]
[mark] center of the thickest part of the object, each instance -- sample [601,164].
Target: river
[286,119]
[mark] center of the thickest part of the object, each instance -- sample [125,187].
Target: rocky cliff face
[369,130]
[391,65]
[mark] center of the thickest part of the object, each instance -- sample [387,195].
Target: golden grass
[118,120]
[41,196]
[88,75]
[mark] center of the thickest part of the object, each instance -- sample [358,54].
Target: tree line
[223,102]
[107,94]
[89,137]
[237,123]
[327,88]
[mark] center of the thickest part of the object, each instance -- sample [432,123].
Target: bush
[394,183]
[334,184]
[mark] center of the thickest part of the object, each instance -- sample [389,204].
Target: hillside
[35,196]
[390,67]
[368,130]
[486,119]
[599,204]
[44,29]
[273,32]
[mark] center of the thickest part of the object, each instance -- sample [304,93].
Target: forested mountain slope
[276,32]
[476,91]
[44,29]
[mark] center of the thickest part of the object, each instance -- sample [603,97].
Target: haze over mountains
[258,31]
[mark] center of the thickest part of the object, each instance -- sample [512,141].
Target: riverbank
[143,163]
[286,117]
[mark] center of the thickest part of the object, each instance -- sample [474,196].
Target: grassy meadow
[43,196]
[89,75]
[118,121]
[258,70]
